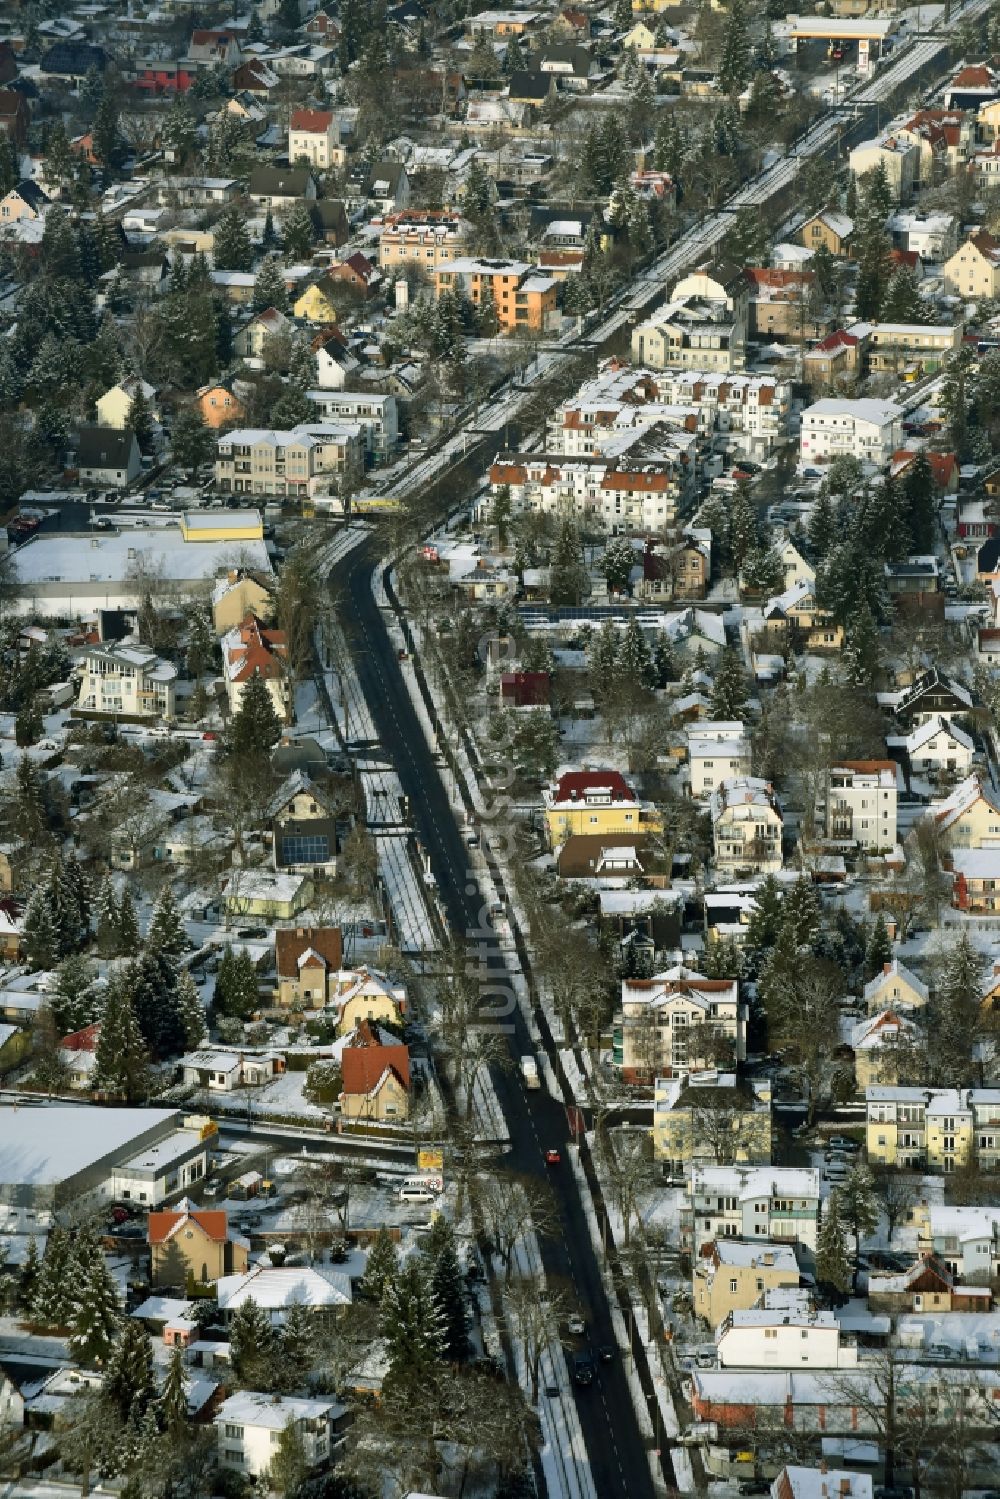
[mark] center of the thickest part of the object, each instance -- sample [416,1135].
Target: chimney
[886,967]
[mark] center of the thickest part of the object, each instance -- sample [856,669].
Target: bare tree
[534,1319]
[512,1206]
[897,1194]
[627,1159]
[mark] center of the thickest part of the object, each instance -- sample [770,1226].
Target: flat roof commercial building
[51,1156]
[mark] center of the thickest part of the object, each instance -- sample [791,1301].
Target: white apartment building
[751,1202]
[901,159]
[306,460]
[128,680]
[789,1336]
[865,429]
[750,410]
[746,826]
[314,138]
[376,415]
[250,1426]
[932,236]
[619,496]
[717,751]
[966,1238]
[861,803]
[657,1019]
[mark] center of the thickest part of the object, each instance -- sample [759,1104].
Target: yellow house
[876,1042]
[895,986]
[970,816]
[222,525]
[595,802]
[656,6]
[192,1245]
[316,304]
[237,595]
[114,408]
[796,612]
[927,1128]
[973,271]
[273,895]
[641,37]
[307,963]
[376,1082]
[363,995]
[733,1276]
[710,1118]
[13,1045]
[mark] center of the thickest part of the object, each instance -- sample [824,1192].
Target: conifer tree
[832,1267]
[53,1299]
[633,662]
[298,233]
[269,287]
[729,686]
[919,502]
[129,1381]
[121,1069]
[449,1290]
[172,1406]
[255,728]
[41,938]
[190,1011]
[140,419]
[232,250]
[858,1204]
[76,1001]
[107,921]
[296,1348]
[28,1279]
[96,1318]
[381,1268]
[154,980]
[879,949]
[128,925]
[251,1345]
[30,818]
[166,930]
[736,61]
[413,1325]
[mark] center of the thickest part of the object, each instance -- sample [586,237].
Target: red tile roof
[260,650]
[214,1222]
[362,1065]
[291,942]
[574,785]
[318,121]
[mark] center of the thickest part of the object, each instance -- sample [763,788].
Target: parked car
[843,1142]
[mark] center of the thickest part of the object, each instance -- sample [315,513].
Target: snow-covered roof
[891,973]
[275,1288]
[246,1408]
[112,557]
[43,1146]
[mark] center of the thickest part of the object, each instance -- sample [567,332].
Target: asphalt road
[615,1447]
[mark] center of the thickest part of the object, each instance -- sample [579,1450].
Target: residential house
[877,1043]
[375,1078]
[704,326]
[866,429]
[250,650]
[594,801]
[717,751]
[938,748]
[322,1290]
[607,858]
[976,880]
[792,1334]
[523,297]
[219,1071]
[277,895]
[158,76]
[836,357]
[576,67]
[965,1239]
[670,1022]
[932,236]
[108,456]
[944,468]
[365,995]
[15,116]
[972,87]
[927,1286]
[191,1244]
[832,230]
[732,1275]
[306,460]
[26,201]
[861,803]
[970,816]
[750,1202]
[213,49]
[893,987]
[900,157]
[70,62]
[250,1426]
[307,964]
[334,361]
[317,303]
[314,139]
[219,404]
[385,184]
[973,272]
[746,826]
[676,571]
[795,618]
[254,78]
[123,679]
[303,824]
[251,338]
[235,595]
[929,694]
[712,1117]
[114,408]
[893,348]
[281,187]
[943,139]
[357,272]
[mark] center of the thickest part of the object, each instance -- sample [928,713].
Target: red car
[553,1158]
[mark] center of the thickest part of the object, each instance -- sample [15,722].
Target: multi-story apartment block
[717,751]
[376,415]
[668,1021]
[746,826]
[938,1129]
[305,460]
[711,1117]
[751,1202]
[644,489]
[418,236]
[899,156]
[861,803]
[892,347]
[523,296]
[865,429]
[750,410]
[127,680]
[967,1239]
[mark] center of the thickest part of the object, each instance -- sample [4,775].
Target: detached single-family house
[364,994]
[190,1243]
[250,1426]
[251,650]
[281,187]
[730,1275]
[108,456]
[893,987]
[114,408]
[226,1071]
[236,595]
[876,1043]
[375,1078]
[303,824]
[747,826]
[317,303]
[307,964]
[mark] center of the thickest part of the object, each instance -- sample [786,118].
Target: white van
[409,1193]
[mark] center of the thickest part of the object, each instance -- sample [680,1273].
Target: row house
[939,1129]
[659,1014]
[619,497]
[523,298]
[424,237]
[303,461]
[750,1203]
